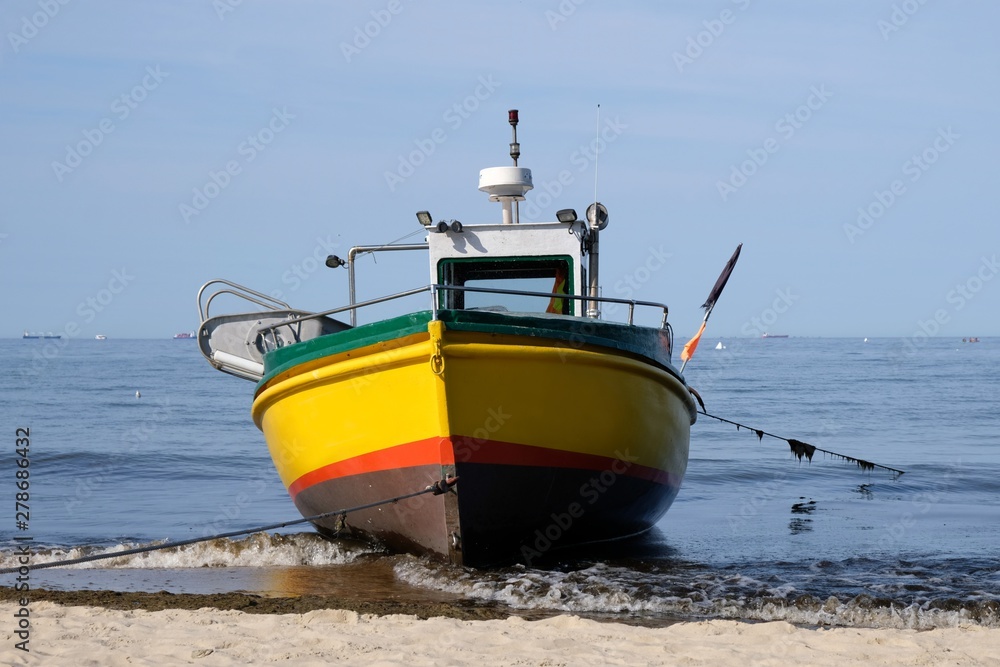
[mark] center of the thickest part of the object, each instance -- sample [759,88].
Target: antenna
[594,218]
[597,149]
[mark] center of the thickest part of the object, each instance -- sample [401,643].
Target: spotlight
[566,215]
[334,262]
[456,226]
[425,218]
[442,227]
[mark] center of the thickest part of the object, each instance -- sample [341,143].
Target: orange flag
[692,344]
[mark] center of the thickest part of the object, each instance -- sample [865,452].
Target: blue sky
[850,145]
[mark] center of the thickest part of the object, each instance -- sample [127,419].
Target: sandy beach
[68,633]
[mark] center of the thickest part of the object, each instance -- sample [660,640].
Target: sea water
[138,441]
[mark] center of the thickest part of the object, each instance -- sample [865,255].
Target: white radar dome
[505,181]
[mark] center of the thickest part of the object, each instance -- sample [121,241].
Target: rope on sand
[437,488]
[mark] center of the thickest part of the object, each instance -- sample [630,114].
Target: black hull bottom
[496,515]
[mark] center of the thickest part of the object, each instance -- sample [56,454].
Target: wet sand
[107,628]
[258,604]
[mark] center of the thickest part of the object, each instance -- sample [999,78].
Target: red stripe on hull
[431,451]
[475,450]
[464,449]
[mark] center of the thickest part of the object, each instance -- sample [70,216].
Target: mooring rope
[437,488]
[800,449]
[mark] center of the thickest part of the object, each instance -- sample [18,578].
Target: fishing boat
[100,337]
[771,335]
[184,335]
[541,424]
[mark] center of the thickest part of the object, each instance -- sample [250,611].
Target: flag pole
[713,297]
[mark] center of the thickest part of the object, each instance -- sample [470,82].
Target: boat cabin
[544,258]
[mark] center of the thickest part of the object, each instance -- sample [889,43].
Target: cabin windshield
[549,275]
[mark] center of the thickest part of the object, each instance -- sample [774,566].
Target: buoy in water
[137,394]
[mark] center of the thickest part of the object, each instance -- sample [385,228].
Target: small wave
[605,590]
[257,550]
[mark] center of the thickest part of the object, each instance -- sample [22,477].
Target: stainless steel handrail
[243,292]
[632,303]
[351,307]
[352,256]
[434,289]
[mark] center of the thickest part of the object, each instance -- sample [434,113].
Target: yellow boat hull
[556,441]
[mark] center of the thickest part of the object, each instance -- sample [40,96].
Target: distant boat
[184,335]
[40,335]
[100,337]
[866,340]
[771,335]
[720,346]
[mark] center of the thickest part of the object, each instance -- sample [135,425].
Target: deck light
[566,215]
[425,218]
[334,262]
[456,226]
[442,227]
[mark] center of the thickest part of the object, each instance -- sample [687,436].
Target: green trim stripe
[281,360]
[645,342]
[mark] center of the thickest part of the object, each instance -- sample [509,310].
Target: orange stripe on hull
[438,451]
[464,449]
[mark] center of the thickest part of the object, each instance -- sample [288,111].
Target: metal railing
[435,308]
[632,303]
[240,291]
[271,303]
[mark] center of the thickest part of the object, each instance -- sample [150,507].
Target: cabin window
[547,275]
